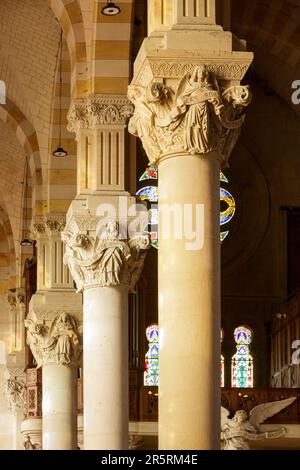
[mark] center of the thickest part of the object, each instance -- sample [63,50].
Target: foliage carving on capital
[99,110]
[105,260]
[57,343]
[50,224]
[198,118]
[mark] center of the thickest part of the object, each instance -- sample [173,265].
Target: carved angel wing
[224,416]
[260,413]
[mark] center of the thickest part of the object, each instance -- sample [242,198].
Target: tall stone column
[105,262]
[189,108]
[54,335]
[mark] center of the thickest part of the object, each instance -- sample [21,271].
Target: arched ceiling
[272,31]
[12,161]
[29,42]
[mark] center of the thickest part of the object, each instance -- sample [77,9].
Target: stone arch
[26,135]
[70,19]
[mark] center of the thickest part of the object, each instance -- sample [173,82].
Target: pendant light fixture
[60,151]
[26,241]
[111,9]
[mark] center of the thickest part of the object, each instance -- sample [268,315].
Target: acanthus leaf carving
[105,260]
[199,118]
[50,224]
[99,110]
[57,343]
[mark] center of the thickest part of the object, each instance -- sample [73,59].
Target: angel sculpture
[242,428]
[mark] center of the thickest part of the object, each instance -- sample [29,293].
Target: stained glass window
[222,362]
[227,214]
[151,374]
[150,193]
[149,174]
[242,361]
[222,371]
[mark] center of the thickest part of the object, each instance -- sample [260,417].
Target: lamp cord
[60,86]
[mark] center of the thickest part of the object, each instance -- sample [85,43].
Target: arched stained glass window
[222,362]
[151,373]
[242,361]
[150,193]
[222,371]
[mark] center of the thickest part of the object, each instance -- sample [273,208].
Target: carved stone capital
[16,297]
[104,259]
[54,336]
[14,388]
[99,110]
[198,117]
[48,225]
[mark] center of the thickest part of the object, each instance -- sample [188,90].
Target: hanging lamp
[111,9]
[60,151]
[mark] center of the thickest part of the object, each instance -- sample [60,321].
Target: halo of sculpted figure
[242,428]
[198,119]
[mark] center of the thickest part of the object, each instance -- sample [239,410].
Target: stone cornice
[99,110]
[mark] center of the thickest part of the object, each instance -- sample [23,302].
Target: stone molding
[98,110]
[104,259]
[198,118]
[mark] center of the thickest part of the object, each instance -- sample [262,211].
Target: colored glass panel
[151,373]
[242,362]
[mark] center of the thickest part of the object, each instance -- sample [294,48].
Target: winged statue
[243,427]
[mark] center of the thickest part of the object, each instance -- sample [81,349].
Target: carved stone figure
[14,389]
[57,344]
[134,442]
[198,119]
[104,260]
[29,444]
[239,430]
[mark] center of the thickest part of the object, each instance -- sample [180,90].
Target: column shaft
[59,407]
[105,314]
[189,310]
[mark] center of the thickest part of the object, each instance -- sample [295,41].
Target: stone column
[189,109]
[105,268]
[105,262]
[15,391]
[54,335]
[15,299]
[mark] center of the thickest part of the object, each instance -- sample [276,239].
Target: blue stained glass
[242,361]
[149,193]
[153,214]
[229,212]
[151,374]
